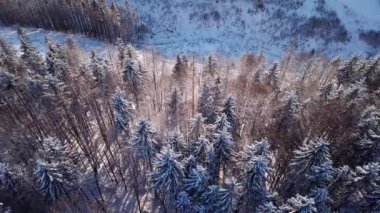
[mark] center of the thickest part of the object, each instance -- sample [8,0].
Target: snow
[233,27]
[37,36]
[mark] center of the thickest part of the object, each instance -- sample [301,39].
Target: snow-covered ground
[233,27]
[37,36]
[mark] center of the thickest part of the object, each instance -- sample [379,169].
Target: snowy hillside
[38,36]
[235,26]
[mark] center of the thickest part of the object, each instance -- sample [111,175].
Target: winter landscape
[190,106]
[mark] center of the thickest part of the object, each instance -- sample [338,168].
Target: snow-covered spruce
[6,179]
[168,172]
[123,112]
[143,142]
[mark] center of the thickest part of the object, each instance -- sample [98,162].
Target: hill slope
[236,26]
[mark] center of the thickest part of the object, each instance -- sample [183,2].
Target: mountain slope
[235,26]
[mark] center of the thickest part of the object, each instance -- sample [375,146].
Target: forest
[133,131]
[93,18]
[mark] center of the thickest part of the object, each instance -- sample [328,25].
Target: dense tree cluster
[83,131]
[96,18]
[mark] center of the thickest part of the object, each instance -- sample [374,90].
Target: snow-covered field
[236,26]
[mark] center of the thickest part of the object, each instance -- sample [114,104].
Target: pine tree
[230,111]
[6,179]
[183,202]
[143,142]
[30,55]
[123,112]
[175,109]
[299,204]
[168,172]
[197,181]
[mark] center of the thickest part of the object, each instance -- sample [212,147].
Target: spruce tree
[123,112]
[311,158]
[197,181]
[211,198]
[223,146]
[369,135]
[30,55]
[222,123]
[273,79]
[229,109]
[6,180]
[300,204]
[63,159]
[175,109]
[206,104]
[176,142]
[134,76]
[364,187]
[228,196]
[183,202]
[196,128]
[50,181]
[143,142]
[255,190]
[179,70]
[345,73]
[56,60]
[200,149]
[268,207]
[167,175]
[211,66]
[217,94]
